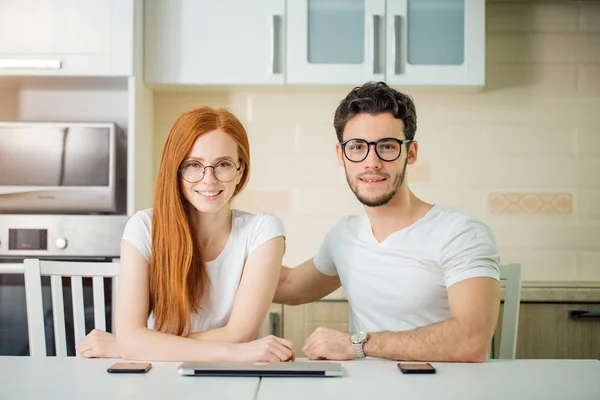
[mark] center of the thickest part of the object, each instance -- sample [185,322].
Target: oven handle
[12,268]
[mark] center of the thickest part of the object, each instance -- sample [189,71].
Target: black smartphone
[420,368]
[129,368]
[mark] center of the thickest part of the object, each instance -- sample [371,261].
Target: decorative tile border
[530,203]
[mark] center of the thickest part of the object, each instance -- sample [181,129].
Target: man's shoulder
[454,219]
[454,226]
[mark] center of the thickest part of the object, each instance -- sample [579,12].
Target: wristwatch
[358,339]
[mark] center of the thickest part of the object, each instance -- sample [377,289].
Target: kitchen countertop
[537,292]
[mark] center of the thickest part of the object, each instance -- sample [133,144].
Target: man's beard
[384,198]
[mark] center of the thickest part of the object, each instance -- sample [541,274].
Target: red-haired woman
[197,277]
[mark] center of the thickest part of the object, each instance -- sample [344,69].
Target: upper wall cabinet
[66,37]
[404,42]
[208,42]
[435,42]
[335,41]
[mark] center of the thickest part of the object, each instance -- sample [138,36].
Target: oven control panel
[28,239]
[61,235]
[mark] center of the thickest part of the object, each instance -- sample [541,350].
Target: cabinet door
[546,330]
[335,41]
[273,323]
[300,321]
[435,42]
[214,42]
[66,37]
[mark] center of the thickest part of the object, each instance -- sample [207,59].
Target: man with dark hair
[422,280]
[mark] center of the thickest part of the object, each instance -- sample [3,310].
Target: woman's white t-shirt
[248,232]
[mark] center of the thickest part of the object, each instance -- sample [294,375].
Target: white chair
[34,270]
[511,275]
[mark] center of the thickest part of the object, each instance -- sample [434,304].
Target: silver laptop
[260,369]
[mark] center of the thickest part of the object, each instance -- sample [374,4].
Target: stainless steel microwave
[58,167]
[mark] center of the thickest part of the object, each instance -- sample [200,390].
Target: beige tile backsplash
[523,155]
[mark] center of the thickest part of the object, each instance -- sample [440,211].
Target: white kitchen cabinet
[404,42]
[435,42]
[335,41]
[66,37]
[211,42]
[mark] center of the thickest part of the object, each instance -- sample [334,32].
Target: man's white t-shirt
[401,283]
[248,232]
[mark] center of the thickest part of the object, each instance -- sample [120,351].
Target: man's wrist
[368,346]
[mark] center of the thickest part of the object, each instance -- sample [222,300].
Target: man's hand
[325,343]
[98,344]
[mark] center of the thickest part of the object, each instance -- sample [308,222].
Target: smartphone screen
[129,368]
[421,368]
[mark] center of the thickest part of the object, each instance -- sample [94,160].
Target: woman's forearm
[146,344]
[224,334]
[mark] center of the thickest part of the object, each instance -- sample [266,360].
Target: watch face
[358,337]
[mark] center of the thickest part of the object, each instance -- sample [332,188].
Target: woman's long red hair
[178,277]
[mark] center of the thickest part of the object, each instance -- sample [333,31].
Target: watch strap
[358,350]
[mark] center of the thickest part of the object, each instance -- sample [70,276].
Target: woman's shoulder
[138,232]
[256,229]
[244,219]
[142,219]
[138,229]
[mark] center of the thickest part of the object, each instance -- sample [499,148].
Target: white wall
[524,155]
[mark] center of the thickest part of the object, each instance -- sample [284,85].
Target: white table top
[79,378]
[372,379]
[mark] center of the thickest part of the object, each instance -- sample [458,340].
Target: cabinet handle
[375,39]
[275,63]
[273,323]
[584,314]
[16,63]
[397,44]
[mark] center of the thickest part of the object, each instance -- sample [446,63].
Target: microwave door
[31,156]
[87,157]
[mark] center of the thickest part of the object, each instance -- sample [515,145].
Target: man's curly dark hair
[376,98]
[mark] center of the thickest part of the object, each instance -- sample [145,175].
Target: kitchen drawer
[547,330]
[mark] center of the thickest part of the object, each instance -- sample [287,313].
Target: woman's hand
[99,344]
[267,349]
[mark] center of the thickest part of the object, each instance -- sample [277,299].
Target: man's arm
[466,336]
[304,284]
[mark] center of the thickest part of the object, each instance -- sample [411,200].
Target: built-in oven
[53,237]
[62,197]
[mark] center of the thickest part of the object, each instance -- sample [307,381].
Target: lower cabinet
[546,330]
[557,330]
[273,323]
[300,321]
